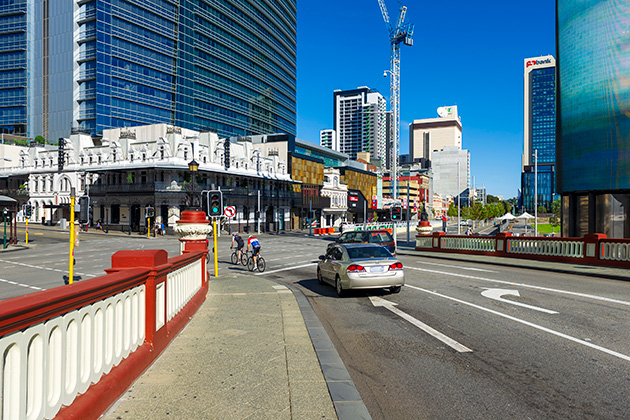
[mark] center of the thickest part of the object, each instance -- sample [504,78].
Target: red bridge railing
[592,249]
[71,351]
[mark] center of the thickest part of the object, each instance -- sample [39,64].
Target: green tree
[40,140]
[452,210]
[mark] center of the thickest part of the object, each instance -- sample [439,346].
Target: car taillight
[355,268]
[396,266]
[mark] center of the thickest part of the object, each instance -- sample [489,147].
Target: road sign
[229,211]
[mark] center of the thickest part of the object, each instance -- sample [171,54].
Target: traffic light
[149,212]
[28,210]
[226,153]
[215,205]
[396,213]
[84,209]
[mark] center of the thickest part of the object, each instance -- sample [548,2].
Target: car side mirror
[322,257]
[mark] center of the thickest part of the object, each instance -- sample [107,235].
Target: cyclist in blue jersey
[255,244]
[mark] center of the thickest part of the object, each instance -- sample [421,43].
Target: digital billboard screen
[593,148]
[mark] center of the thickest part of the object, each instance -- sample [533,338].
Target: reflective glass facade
[228,66]
[594,83]
[541,89]
[14,41]
[223,65]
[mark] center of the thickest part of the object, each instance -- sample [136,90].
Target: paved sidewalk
[246,354]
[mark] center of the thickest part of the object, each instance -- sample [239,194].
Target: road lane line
[529,324]
[377,301]
[21,285]
[285,269]
[456,266]
[566,292]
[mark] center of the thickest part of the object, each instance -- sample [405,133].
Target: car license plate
[377,269]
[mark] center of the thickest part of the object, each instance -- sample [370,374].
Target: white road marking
[377,301]
[21,285]
[37,267]
[286,268]
[456,266]
[566,292]
[497,294]
[529,324]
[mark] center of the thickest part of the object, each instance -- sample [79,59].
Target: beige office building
[433,134]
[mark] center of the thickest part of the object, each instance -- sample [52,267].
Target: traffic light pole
[26,231]
[215,249]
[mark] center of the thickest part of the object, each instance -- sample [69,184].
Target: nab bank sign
[538,62]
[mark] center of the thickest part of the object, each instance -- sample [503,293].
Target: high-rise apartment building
[539,132]
[328,138]
[433,134]
[451,171]
[593,141]
[360,121]
[224,66]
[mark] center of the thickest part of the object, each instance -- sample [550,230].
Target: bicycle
[244,257]
[260,263]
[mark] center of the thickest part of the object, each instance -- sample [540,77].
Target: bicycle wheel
[234,258]
[261,264]
[244,259]
[250,263]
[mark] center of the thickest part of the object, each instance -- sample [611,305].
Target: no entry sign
[229,211]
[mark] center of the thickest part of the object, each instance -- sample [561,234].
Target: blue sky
[465,53]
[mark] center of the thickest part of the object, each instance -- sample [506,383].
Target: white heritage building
[129,169]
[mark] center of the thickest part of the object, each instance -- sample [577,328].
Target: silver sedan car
[360,266]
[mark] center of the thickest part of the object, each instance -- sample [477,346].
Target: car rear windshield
[368,252]
[379,237]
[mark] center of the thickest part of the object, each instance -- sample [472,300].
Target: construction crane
[400,34]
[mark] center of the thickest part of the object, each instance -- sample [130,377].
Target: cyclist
[253,241]
[236,238]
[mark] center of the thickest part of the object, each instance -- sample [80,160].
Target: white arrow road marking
[497,293]
[566,292]
[377,301]
[530,324]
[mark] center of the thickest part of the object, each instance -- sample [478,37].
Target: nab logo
[535,62]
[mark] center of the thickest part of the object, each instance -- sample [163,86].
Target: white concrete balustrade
[533,246]
[47,365]
[615,251]
[487,244]
[182,284]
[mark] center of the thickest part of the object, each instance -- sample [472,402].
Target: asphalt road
[564,356]
[457,344]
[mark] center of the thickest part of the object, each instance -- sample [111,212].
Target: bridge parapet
[71,351]
[592,249]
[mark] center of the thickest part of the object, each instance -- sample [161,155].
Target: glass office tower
[539,133]
[593,144]
[15,38]
[222,65]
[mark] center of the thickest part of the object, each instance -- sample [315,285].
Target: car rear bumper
[372,281]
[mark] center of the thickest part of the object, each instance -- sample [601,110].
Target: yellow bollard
[72,239]
[216,250]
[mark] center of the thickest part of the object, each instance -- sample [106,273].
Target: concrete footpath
[254,350]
